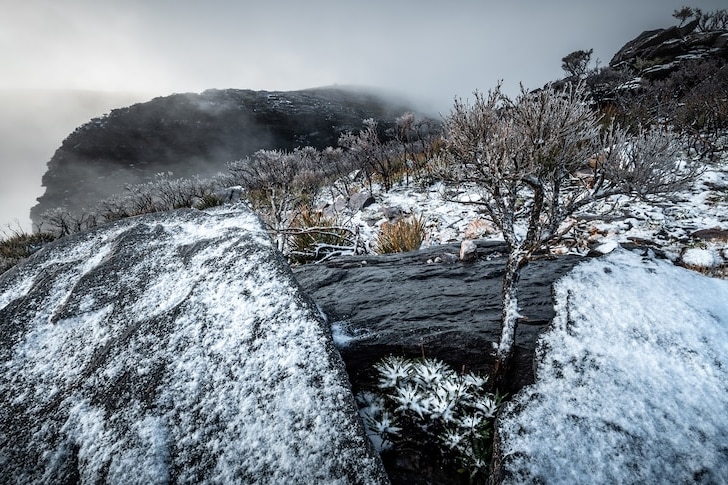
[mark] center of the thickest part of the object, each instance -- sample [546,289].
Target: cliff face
[189,134]
[657,53]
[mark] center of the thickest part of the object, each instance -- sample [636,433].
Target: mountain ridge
[196,134]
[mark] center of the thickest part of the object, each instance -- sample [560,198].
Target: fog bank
[33,124]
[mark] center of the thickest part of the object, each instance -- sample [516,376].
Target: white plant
[427,397]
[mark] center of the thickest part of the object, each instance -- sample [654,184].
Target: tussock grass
[19,246]
[401,236]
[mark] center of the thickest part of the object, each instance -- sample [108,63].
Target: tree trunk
[509,319]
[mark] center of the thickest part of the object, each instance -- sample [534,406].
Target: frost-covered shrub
[314,237]
[425,401]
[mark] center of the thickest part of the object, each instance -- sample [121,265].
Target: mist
[66,62]
[33,123]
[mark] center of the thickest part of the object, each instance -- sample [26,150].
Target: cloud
[427,48]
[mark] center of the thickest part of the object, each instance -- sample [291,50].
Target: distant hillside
[189,134]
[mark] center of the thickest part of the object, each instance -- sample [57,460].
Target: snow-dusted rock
[468,250]
[631,381]
[606,246]
[171,348]
[399,304]
[701,258]
[360,200]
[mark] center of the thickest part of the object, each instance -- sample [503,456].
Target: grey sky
[428,50]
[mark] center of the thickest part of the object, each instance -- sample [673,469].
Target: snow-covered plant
[522,157]
[313,237]
[424,401]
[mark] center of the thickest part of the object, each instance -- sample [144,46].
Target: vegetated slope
[190,134]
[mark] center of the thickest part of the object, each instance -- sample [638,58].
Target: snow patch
[701,258]
[632,380]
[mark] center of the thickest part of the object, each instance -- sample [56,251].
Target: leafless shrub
[376,158]
[521,155]
[62,222]
[418,141]
[340,170]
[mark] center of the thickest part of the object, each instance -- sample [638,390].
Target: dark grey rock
[399,304]
[716,235]
[721,42]
[172,348]
[392,213]
[668,49]
[361,200]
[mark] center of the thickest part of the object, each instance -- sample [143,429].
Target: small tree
[279,185]
[521,156]
[575,64]
[682,14]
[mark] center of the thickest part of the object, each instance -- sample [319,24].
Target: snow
[632,380]
[701,258]
[172,347]
[665,224]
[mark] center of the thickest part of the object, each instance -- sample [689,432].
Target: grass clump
[208,201]
[21,245]
[401,236]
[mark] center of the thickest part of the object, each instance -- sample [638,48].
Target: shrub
[424,401]
[575,64]
[314,237]
[208,201]
[401,236]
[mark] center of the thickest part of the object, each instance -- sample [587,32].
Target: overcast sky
[428,50]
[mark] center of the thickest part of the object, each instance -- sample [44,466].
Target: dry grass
[401,236]
[19,246]
[313,236]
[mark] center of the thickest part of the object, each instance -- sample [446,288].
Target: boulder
[657,53]
[712,235]
[468,250]
[398,304]
[360,200]
[172,348]
[630,381]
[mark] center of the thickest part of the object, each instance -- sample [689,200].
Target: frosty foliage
[523,157]
[163,193]
[631,380]
[426,399]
